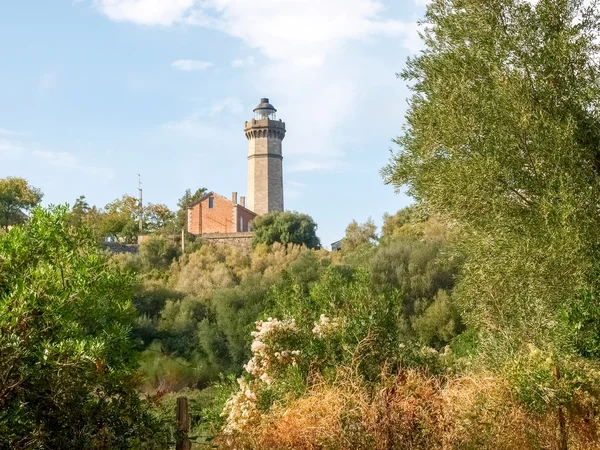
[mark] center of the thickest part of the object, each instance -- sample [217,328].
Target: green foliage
[542,383]
[209,268]
[177,324]
[16,197]
[235,311]
[286,228]
[274,259]
[418,269]
[583,317]
[502,138]
[67,362]
[394,224]
[120,220]
[359,235]
[158,217]
[80,210]
[366,326]
[415,222]
[163,372]
[157,252]
[150,297]
[439,323]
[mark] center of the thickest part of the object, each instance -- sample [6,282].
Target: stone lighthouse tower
[265,168]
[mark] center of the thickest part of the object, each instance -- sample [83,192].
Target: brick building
[214,213]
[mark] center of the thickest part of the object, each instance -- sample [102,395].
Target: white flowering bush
[335,322]
[241,409]
[325,326]
[271,355]
[269,350]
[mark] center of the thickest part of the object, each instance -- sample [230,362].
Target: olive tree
[502,137]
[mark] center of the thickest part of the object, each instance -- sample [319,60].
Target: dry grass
[482,414]
[411,411]
[313,422]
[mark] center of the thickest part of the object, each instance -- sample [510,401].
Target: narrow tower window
[211,202]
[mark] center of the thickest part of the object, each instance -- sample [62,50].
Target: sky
[93,92]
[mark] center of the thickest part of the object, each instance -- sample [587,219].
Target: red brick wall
[194,223]
[218,219]
[245,216]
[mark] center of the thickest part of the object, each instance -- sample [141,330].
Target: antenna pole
[141,204]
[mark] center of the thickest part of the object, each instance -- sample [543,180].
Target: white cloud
[146,12]
[303,30]
[70,161]
[190,65]
[11,149]
[195,126]
[201,124]
[243,62]
[233,105]
[315,69]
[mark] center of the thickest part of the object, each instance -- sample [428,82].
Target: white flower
[325,326]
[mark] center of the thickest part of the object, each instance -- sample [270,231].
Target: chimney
[234,198]
[243,201]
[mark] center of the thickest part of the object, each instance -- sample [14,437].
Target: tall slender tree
[503,137]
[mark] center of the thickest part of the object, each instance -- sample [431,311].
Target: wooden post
[183,424]
[182,240]
[562,426]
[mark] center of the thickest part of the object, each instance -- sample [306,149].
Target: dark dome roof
[264,104]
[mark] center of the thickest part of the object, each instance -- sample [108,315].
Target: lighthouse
[265,160]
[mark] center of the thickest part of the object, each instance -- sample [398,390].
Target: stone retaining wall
[242,240]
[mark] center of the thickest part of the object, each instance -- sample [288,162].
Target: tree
[79,211]
[396,223]
[157,252]
[185,202]
[359,235]
[158,217]
[503,137]
[67,362]
[287,228]
[16,198]
[120,219]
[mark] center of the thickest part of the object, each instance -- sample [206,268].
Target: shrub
[157,252]
[211,267]
[66,358]
[440,322]
[286,228]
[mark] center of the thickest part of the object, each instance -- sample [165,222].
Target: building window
[211,202]
[241,224]
[249,229]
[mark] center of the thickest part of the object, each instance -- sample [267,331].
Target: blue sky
[95,91]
